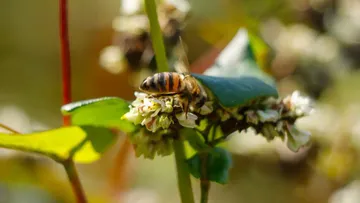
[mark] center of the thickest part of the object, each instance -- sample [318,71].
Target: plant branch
[183,176]
[9,129]
[156,36]
[75,181]
[65,56]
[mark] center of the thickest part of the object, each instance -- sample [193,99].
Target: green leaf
[195,139]
[233,92]
[103,112]
[85,144]
[218,165]
[238,57]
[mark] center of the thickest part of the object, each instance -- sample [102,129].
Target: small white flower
[150,124]
[298,105]
[224,115]
[168,107]
[251,117]
[165,121]
[188,120]
[268,115]
[133,116]
[296,138]
[150,106]
[280,126]
[270,101]
[140,95]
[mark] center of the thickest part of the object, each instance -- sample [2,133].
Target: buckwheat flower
[298,105]
[134,116]
[187,120]
[268,115]
[270,101]
[268,131]
[251,117]
[150,124]
[296,138]
[224,115]
[150,144]
[165,121]
[168,107]
[234,112]
[150,106]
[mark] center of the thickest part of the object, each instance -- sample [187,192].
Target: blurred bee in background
[191,93]
[132,49]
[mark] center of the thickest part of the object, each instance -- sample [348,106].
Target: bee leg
[187,105]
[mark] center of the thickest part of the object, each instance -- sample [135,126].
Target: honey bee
[180,83]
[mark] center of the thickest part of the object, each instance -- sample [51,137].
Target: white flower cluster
[298,105]
[275,118]
[157,113]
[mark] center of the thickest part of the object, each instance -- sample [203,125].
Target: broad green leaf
[103,112]
[194,142]
[218,165]
[238,57]
[233,92]
[85,144]
[261,50]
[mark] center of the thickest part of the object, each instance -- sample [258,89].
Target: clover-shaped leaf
[103,112]
[84,144]
[217,167]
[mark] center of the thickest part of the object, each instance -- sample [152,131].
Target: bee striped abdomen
[171,82]
[166,82]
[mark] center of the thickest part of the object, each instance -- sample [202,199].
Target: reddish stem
[66,85]
[65,56]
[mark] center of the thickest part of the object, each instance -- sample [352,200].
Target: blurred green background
[314,47]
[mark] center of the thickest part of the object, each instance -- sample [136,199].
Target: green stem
[204,181]
[156,36]
[183,176]
[184,182]
[74,180]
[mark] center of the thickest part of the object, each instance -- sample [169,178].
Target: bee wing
[182,64]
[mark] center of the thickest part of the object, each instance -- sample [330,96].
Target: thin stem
[183,176]
[204,181]
[65,56]
[9,129]
[184,182]
[75,181]
[66,86]
[156,36]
